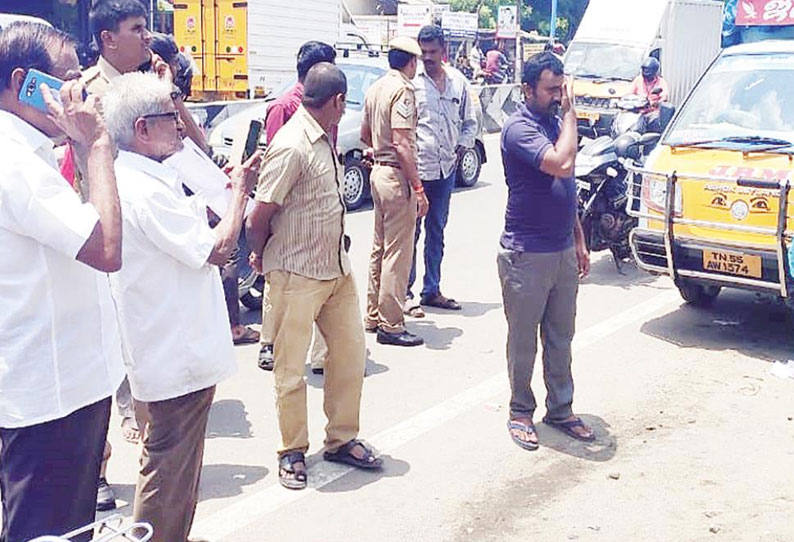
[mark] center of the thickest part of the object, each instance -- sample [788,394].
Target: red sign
[765,12]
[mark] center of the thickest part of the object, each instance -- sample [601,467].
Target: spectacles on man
[173,115]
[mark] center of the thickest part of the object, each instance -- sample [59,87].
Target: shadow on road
[740,321]
[221,481]
[436,338]
[603,449]
[228,418]
[356,479]
[604,273]
[371,368]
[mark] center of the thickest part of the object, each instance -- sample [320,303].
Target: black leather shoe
[266,359]
[405,338]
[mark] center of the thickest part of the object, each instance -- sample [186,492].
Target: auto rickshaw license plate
[591,116]
[733,263]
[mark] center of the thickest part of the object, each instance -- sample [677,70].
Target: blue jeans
[438,194]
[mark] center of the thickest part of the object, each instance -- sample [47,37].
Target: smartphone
[251,142]
[30,93]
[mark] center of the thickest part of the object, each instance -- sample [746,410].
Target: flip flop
[249,336]
[343,455]
[567,428]
[515,425]
[440,302]
[414,311]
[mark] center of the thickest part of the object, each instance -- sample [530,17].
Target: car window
[359,79]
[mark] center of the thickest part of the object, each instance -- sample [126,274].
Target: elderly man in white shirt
[175,333]
[60,355]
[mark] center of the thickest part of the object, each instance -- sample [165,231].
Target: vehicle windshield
[359,78]
[745,97]
[603,60]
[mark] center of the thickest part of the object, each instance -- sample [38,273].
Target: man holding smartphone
[60,355]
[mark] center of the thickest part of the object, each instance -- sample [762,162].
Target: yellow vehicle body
[596,103]
[717,212]
[215,33]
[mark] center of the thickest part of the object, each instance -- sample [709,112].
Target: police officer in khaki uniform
[389,127]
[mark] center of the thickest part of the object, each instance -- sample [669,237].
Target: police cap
[408,45]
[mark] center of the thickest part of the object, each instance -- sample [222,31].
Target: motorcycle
[601,177]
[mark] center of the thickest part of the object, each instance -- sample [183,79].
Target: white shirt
[59,338]
[174,326]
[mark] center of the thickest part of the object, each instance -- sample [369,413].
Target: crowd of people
[103,256]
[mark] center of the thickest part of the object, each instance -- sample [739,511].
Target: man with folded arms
[175,331]
[60,356]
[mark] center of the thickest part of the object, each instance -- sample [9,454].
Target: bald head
[323,82]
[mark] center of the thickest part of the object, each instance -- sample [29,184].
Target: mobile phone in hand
[252,139]
[30,93]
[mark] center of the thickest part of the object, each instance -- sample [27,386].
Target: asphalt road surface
[695,436]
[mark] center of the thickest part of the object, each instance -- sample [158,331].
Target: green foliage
[535,14]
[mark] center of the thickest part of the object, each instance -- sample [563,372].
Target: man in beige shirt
[297,236]
[389,126]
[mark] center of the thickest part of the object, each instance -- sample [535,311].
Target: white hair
[132,96]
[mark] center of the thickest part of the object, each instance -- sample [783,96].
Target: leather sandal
[288,475]
[343,455]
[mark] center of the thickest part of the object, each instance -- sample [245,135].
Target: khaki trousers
[296,303]
[319,346]
[173,449]
[392,248]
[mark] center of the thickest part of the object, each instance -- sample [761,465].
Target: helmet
[626,146]
[650,68]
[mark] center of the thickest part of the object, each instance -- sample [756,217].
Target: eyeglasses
[173,115]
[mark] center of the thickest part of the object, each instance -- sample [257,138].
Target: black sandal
[288,475]
[568,428]
[343,455]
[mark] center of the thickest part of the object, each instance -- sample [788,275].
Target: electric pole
[519,49]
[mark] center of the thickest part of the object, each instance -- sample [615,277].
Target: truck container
[245,49]
[615,36]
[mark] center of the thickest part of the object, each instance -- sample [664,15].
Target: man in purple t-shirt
[543,252]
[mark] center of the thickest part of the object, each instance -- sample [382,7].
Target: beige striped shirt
[301,174]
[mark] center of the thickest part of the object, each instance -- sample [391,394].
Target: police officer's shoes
[405,338]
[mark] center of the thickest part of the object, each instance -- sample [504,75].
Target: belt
[387,164]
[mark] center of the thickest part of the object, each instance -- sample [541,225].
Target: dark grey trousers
[539,291]
[49,473]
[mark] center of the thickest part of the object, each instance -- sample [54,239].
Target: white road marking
[235,517]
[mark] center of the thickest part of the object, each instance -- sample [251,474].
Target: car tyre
[469,168]
[698,295]
[356,189]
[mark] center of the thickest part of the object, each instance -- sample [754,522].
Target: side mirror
[649,139]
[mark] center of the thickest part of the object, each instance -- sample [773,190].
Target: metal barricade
[106,530]
[670,217]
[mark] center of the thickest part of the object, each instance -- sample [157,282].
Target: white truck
[246,49]
[615,36]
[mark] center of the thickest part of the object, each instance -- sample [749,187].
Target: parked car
[361,72]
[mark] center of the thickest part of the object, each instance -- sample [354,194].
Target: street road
[695,436]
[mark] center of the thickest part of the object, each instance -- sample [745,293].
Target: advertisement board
[507,26]
[765,13]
